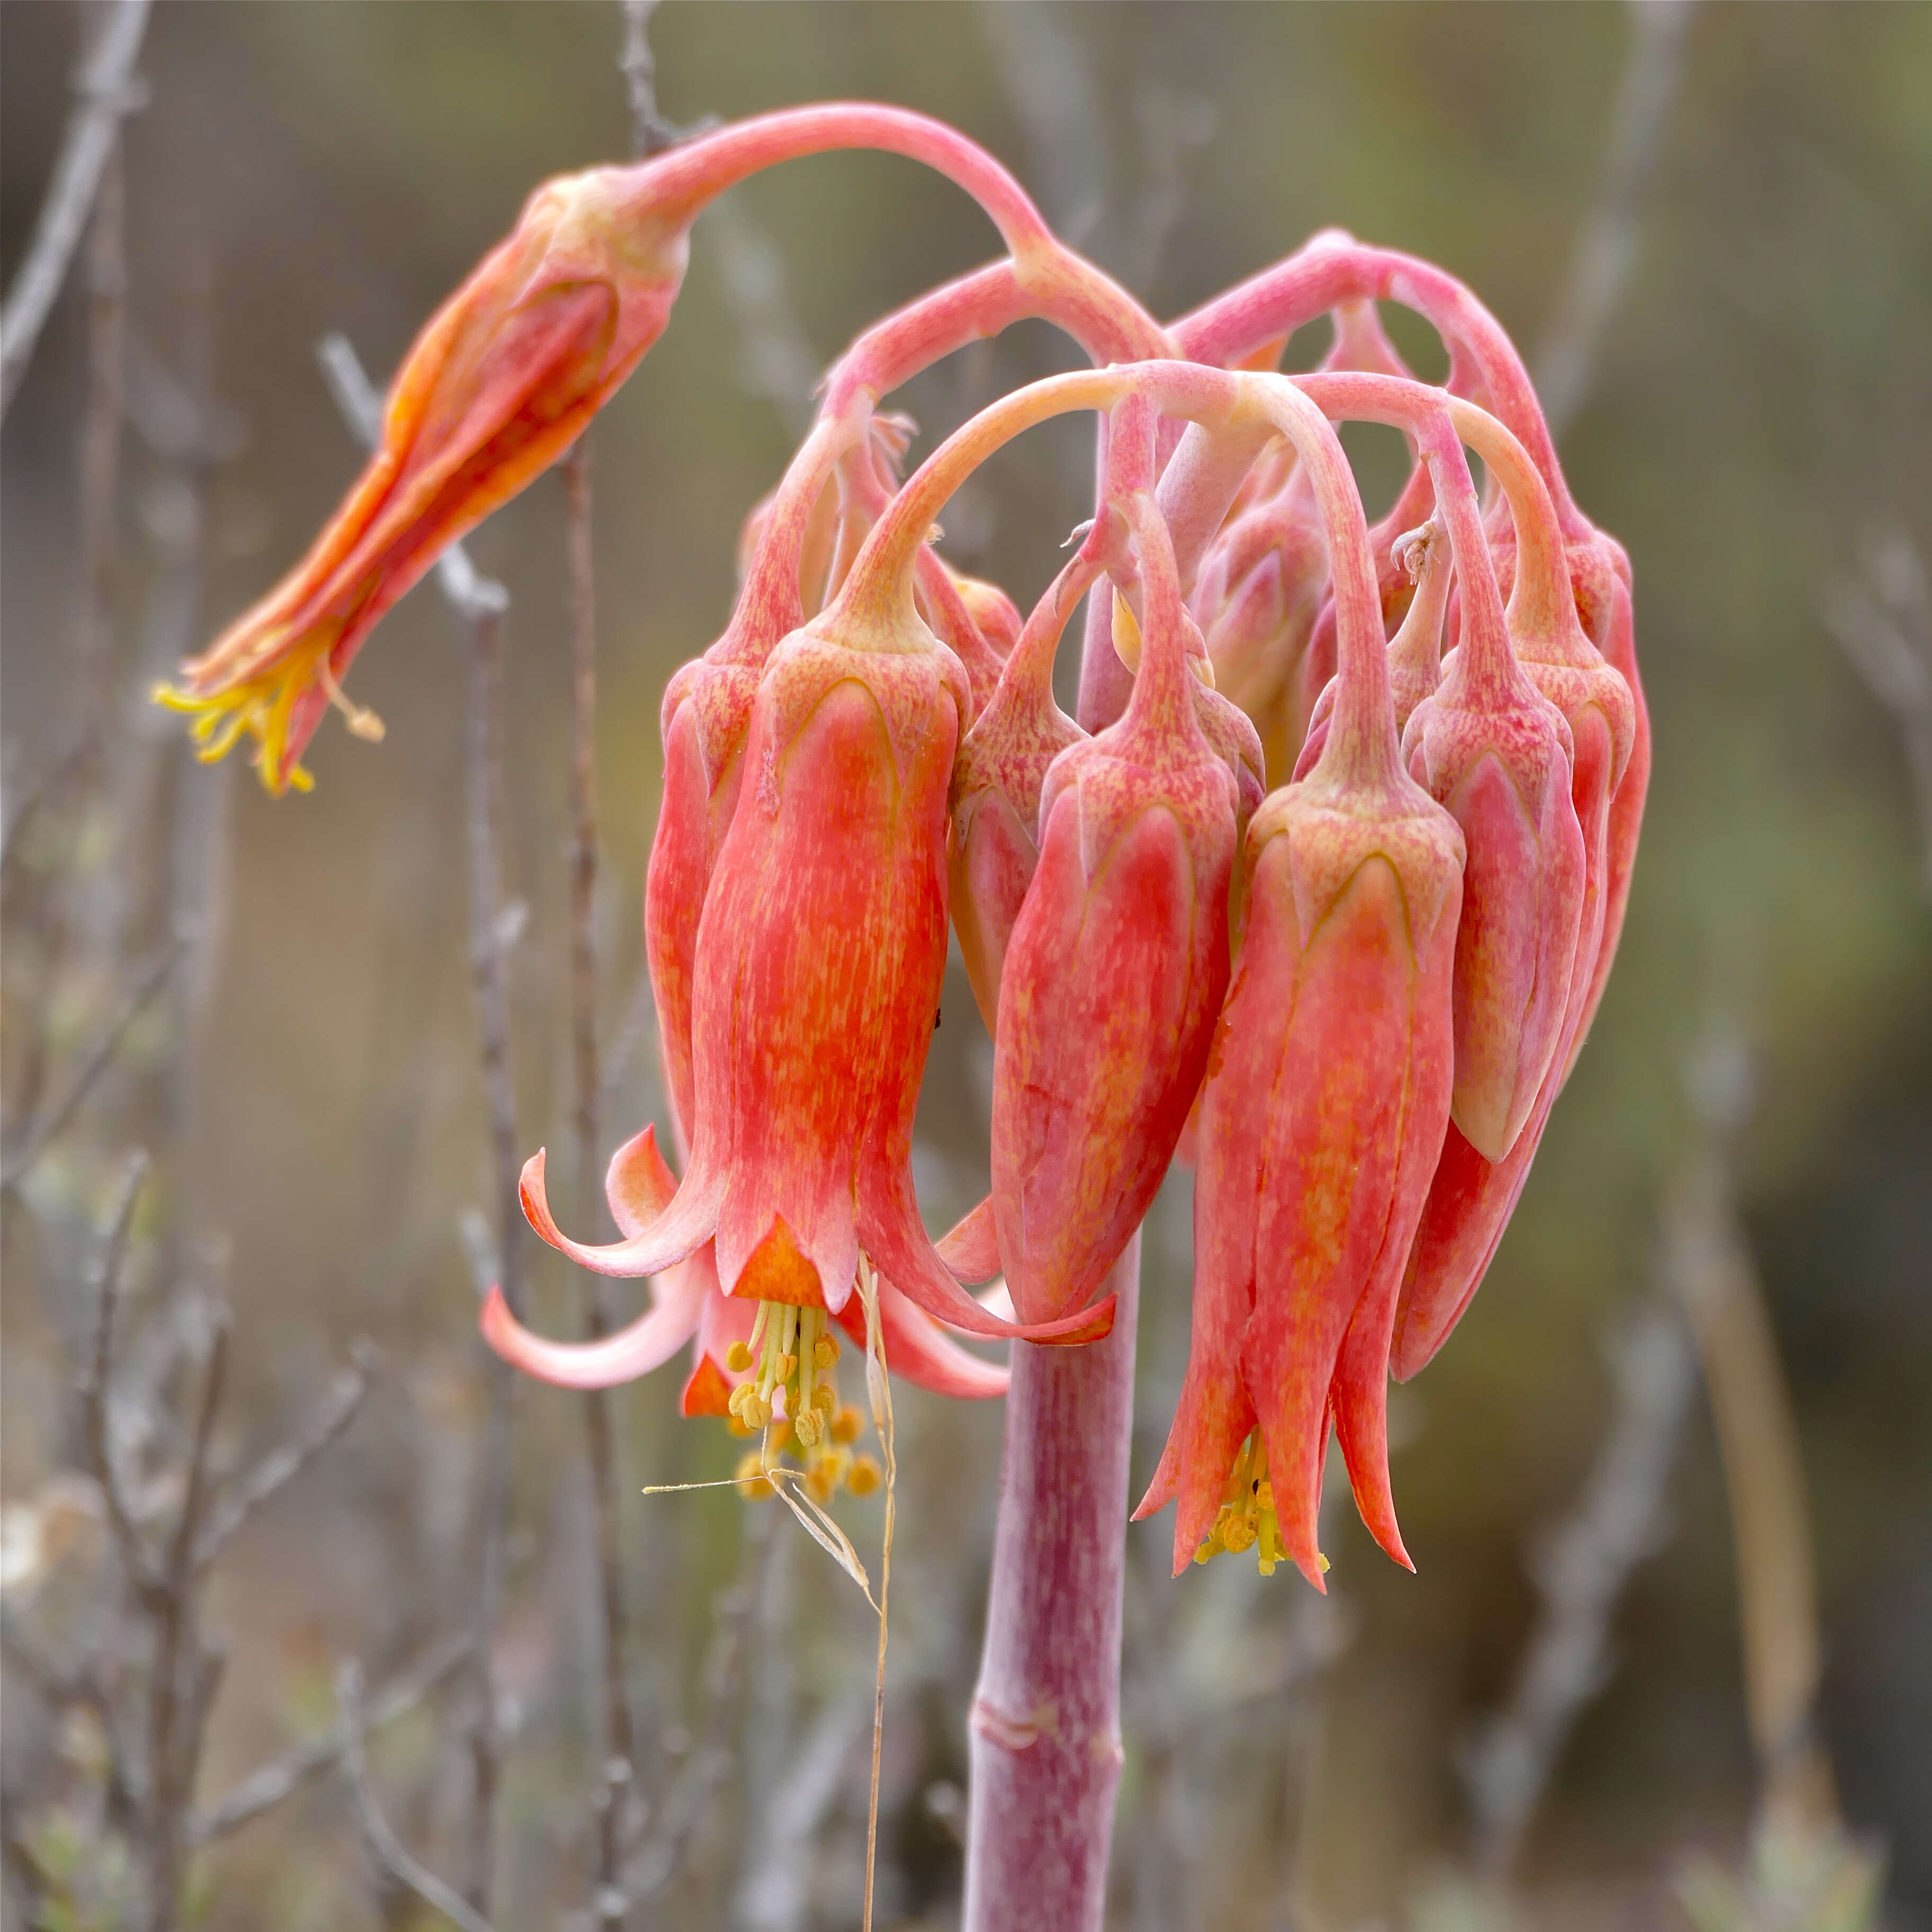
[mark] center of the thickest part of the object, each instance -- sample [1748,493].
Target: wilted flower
[499,385]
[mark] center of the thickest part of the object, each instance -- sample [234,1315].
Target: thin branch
[337,1409]
[483,761]
[40,1134]
[615,1769]
[390,1851]
[480,603]
[96,1379]
[262,1789]
[1581,1572]
[105,91]
[658,1860]
[470,594]
[1883,620]
[1709,1258]
[651,133]
[1606,248]
[176,1712]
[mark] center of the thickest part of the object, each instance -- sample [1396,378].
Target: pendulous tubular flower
[1116,969]
[1324,1108]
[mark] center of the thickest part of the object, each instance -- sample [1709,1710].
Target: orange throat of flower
[790,1393]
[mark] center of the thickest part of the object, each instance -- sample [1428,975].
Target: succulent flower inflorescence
[1320,893]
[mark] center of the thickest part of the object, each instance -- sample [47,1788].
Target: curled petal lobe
[647,1344]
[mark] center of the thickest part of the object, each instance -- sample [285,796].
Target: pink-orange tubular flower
[1326,1101]
[1497,753]
[706,719]
[1471,1198]
[819,955]
[1116,968]
[997,780]
[502,382]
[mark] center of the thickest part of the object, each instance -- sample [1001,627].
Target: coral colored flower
[1497,754]
[499,385]
[1115,970]
[1323,1111]
[706,717]
[1470,1199]
[819,955]
[993,847]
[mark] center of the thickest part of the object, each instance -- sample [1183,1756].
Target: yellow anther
[1238,1535]
[865,1476]
[809,1428]
[754,1485]
[847,1424]
[737,1358]
[824,1352]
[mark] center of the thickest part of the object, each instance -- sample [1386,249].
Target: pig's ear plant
[1319,892]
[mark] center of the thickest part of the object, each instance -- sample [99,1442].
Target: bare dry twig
[271,1784]
[330,1423]
[393,1855]
[39,1134]
[1580,1570]
[105,91]
[480,602]
[1883,620]
[1607,246]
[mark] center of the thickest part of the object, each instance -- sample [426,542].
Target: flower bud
[1493,751]
[1472,1198]
[992,848]
[1115,970]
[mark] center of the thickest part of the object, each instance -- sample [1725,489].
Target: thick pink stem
[1045,1747]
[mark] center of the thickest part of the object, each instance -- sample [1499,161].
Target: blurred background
[1711,230]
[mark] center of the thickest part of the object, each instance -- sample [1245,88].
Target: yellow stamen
[790,1394]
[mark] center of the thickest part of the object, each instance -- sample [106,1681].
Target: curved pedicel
[1333,269]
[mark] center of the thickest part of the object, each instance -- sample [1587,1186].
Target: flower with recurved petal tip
[1324,1111]
[819,954]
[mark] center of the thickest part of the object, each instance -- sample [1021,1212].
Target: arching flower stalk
[1364,987]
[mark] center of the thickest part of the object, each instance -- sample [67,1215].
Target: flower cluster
[1319,893]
